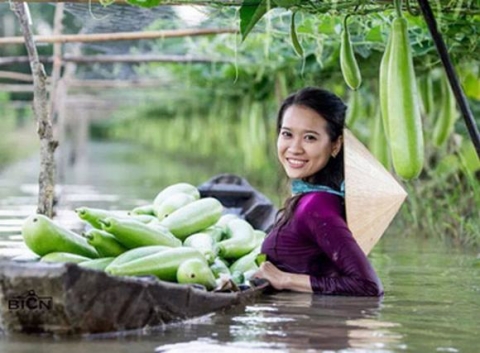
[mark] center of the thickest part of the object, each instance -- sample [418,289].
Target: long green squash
[354,110]
[348,63]
[97,264]
[132,234]
[383,84]
[378,142]
[43,236]
[404,119]
[137,253]
[196,271]
[163,264]
[194,217]
[242,240]
[64,257]
[175,189]
[447,116]
[425,86]
[204,243]
[105,243]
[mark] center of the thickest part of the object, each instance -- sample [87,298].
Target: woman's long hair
[332,109]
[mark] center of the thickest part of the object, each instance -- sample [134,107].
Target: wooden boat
[67,299]
[239,197]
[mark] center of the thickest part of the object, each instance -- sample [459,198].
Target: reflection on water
[432,290]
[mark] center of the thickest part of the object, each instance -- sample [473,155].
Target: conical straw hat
[372,195]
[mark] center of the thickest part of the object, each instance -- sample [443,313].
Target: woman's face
[303,145]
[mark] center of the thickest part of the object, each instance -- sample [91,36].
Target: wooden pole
[103,84]
[61,128]
[115,59]
[16,88]
[44,126]
[107,37]
[15,76]
[91,84]
[451,74]
[57,60]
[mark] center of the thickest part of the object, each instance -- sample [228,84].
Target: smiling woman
[304,146]
[310,248]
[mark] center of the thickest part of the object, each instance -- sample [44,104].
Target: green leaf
[260,259]
[375,35]
[293,34]
[327,25]
[144,3]
[306,27]
[471,85]
[287,3]
[251,12]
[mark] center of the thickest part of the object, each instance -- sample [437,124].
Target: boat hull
[68,299]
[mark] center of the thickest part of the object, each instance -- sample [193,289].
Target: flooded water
[432,290]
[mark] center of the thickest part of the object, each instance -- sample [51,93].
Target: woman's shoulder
[320,206]
[320,199]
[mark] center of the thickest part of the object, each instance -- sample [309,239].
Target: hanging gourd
[348,63]
[404,119]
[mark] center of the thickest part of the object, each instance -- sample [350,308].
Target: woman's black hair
[332,109]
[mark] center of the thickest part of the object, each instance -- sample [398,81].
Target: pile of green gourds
[180,237]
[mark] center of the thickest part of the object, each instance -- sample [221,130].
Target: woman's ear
[337,145]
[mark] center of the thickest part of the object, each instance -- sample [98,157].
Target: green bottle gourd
[64,257]
[43,236]
[404,119]
[378,141]
[383,85]
[105,243]
[348,62]
[447,116]
[163,264]
[132,234]
[196,271]
[242,240]
[97,264]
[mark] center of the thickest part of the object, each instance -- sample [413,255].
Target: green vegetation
[224,114]
[15,127]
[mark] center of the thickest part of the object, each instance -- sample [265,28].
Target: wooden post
[451,74]
[16,76]
[44,126]
[61,129]
[119,36]
[57,60]
[62,121]
[142,58]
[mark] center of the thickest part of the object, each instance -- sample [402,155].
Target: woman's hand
[283,280]
[272,274]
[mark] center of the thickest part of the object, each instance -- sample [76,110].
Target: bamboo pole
[442,51]
[103,84]
[90,84]
[15,76]
[107,37]
[57,62]
[44,127]
[61,128]
[115,59]
[16,88]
